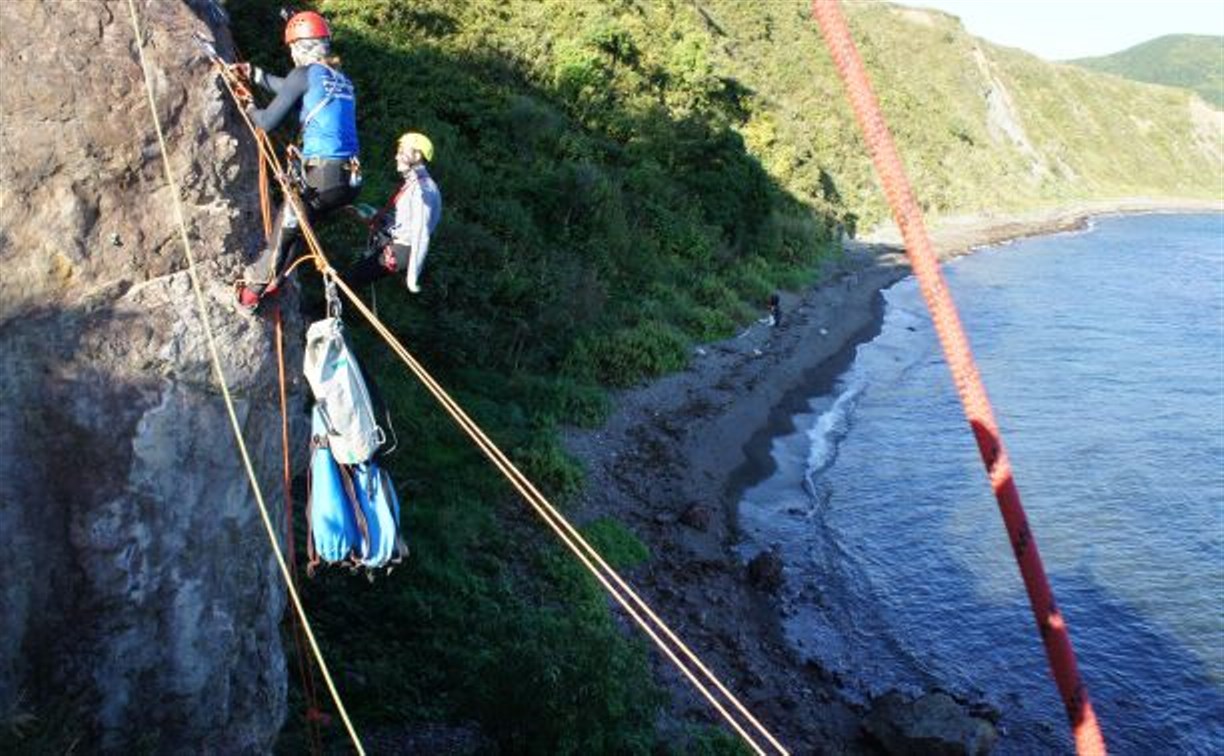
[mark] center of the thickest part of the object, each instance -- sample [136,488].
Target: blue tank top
[328,115]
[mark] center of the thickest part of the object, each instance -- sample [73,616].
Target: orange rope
[1050,622]
[214,356]
[294,266]
[305,671]
[265,201]
[572,539]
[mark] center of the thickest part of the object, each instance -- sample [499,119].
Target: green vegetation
[1193,61]
[621,179]
[980,127]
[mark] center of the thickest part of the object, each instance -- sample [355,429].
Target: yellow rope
[566,532]
[585,553]
[553,518]
[229,404]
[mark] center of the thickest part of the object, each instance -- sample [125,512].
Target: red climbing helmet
[306,25]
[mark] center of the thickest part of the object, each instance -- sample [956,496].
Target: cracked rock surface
[139,586]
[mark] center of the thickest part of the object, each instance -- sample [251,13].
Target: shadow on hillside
[570,205]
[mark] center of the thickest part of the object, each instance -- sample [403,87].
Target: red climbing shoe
[247,298]
[314,714]
[251,301]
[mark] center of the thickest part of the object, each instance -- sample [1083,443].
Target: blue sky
[1061,29]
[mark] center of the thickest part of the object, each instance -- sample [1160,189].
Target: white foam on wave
[828,431]
[893,351]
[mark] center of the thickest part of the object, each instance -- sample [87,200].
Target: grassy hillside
[1193,61]
[622,178]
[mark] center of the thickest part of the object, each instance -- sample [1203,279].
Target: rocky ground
[674,457]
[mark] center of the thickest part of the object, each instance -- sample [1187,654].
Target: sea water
[1103,354]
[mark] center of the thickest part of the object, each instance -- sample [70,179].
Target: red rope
[286,469]
[304,668]
[1050,622]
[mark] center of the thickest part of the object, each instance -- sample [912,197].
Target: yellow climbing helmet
[418,142]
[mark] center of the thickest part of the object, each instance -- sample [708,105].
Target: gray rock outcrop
[140,594]
[765,571]
[935,724]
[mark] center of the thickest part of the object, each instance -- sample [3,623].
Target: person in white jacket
[401,233]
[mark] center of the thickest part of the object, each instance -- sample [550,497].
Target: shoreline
[676,454]
[958,235]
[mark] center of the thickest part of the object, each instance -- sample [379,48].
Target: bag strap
[327,425]
[394,436]
[312,556]
[328,98]
[400,552]
[350,493]
[314,112]
[322,103]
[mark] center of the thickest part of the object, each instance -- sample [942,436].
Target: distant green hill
[1193,61]
[982,128]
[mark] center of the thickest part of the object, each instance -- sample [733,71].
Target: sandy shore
[674,457]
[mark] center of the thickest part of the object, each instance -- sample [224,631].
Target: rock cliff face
[139,590]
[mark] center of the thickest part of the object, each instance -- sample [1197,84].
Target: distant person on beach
[775,310]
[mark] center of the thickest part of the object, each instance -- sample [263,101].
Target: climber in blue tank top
[326,107]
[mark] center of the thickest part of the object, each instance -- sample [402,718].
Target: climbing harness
[698,674]
[214,355]
[1050,622]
